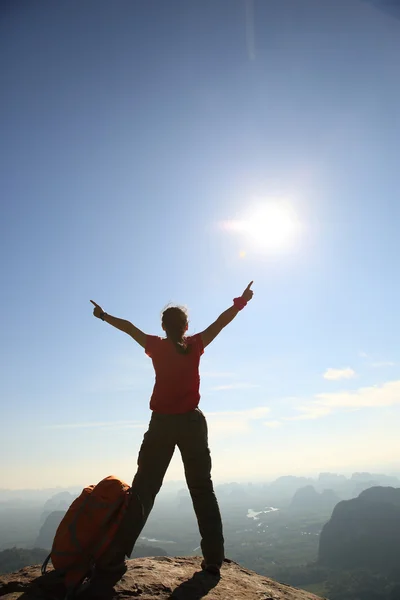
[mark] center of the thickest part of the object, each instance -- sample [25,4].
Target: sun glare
[271,226]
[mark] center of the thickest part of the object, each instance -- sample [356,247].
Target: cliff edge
[160,578]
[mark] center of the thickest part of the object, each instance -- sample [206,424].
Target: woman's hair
[175,320]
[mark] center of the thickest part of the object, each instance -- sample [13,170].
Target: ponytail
[174,320]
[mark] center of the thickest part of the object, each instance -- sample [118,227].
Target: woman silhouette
[176,421]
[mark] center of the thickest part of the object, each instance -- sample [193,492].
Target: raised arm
[121,324]
[227,316]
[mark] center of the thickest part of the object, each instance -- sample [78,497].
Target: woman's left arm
[225,318]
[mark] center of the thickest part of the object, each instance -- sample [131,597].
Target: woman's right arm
[224,319]
[121,324]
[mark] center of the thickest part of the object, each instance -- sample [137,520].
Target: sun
[271,226]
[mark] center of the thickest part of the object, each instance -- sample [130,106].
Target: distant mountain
[48,529]
[184,500]
[307,499]
[330,480]
[14,559]
[384,480]
[290,482]
[351,487]
[281,490]
[233,490]
[59,502]
[364,532]
[32,496]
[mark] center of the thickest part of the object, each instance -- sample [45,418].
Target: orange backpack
[87,530]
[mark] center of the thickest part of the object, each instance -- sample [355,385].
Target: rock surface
[160,578]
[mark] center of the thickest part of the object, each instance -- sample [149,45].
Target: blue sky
[131,132]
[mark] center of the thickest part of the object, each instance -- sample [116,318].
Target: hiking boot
[101,583]
[118,569]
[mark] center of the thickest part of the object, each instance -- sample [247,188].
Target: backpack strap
[44,565]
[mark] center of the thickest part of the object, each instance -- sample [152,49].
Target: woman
[176,421]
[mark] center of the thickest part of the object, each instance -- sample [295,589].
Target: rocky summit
[158,578]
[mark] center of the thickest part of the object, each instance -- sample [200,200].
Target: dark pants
[189,432]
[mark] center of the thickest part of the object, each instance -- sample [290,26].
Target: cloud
[311,412]
[234,386]
[337,374]
[272,424]
[376,396]
[387,394]
[376,364]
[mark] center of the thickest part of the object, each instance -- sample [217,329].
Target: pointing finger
[92,301]
[249,286]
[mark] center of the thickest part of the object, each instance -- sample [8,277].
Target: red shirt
[176,389]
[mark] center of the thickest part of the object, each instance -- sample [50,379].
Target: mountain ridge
[364,532]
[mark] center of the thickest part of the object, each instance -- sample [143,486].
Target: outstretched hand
[248,292]
[97,311]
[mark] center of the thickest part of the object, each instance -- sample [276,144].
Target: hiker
[176,421]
